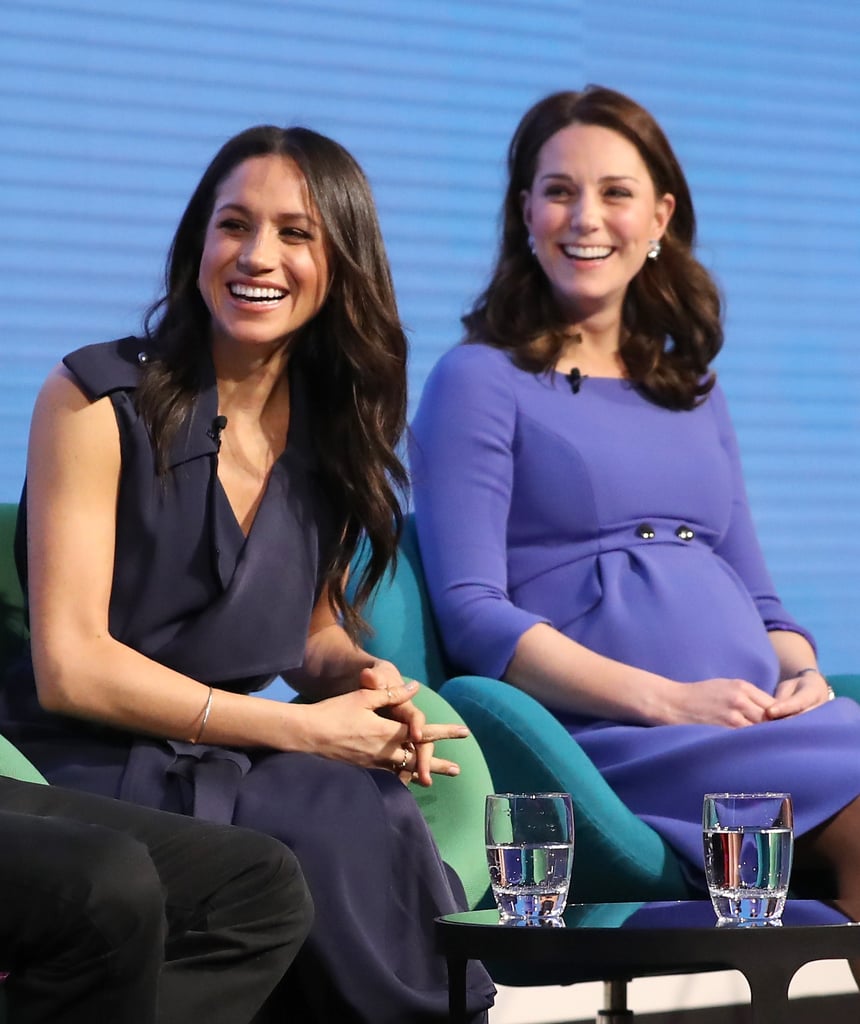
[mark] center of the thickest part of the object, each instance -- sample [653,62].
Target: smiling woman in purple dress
[580,506]
[194,499]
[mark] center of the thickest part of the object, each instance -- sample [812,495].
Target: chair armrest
[453,807]
[617,857]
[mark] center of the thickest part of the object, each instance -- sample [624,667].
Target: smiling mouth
[587,252]
[263,296]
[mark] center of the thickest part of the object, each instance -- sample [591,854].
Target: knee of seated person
[274,876]
[123,897]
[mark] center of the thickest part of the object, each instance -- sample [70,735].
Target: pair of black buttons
[647,532]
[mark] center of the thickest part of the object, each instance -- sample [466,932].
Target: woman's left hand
[383,675]
[798,694]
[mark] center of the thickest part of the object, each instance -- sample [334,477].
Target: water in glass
[529,839]
[748,843]
[531,879]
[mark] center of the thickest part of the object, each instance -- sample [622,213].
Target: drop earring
[654,248]
[531,244]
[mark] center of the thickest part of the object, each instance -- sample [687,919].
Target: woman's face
[264,269]
[592,211]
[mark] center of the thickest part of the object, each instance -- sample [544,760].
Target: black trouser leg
[235,904]
[229,947]
[82,923]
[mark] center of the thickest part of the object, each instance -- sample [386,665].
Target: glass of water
[749,841]
[529,853]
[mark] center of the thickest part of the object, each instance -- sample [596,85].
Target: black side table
[618,941]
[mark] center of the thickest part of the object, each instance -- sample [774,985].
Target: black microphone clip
[218,424]
[575,379]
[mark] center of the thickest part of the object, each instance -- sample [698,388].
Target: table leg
[457,990]
[615,1009]
[769,992]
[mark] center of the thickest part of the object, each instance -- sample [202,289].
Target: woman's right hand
[350,728]
[733,703]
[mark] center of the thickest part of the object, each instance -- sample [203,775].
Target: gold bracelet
[206,709]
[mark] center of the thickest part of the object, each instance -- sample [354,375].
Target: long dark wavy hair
[672,325]
[352,354]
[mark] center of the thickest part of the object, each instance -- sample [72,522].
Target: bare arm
[332,663]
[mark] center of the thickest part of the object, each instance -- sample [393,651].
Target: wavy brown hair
[671,315]
[352,354]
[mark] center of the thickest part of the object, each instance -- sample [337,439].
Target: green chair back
[13,628]
[453,807]
[13,636]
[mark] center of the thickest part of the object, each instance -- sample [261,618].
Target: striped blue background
[111,109]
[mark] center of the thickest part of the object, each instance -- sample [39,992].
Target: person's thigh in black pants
[113,912]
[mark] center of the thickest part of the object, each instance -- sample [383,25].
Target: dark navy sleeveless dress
[193,593]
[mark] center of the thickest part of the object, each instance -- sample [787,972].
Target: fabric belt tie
[209,778]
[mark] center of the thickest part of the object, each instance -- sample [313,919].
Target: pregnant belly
[677,610]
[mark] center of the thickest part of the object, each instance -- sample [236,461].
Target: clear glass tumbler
[749,842]
[529,852]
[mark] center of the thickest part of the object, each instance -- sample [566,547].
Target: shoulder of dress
[474,362]
[108,366]
[478,352]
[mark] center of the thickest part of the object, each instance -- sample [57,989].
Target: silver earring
[654,248]
[531,244]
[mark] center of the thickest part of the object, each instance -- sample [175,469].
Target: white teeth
[243,291]
[587,252]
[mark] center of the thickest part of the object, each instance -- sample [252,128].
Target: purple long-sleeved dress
[624,525]
[192,592]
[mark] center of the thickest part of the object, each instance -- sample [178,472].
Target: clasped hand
[378,726]
[736,702]
[799,693]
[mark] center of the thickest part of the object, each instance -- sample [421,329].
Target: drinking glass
[529,853]
[749,841]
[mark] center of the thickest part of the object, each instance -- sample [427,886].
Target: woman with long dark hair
[581,509]
[194,499]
